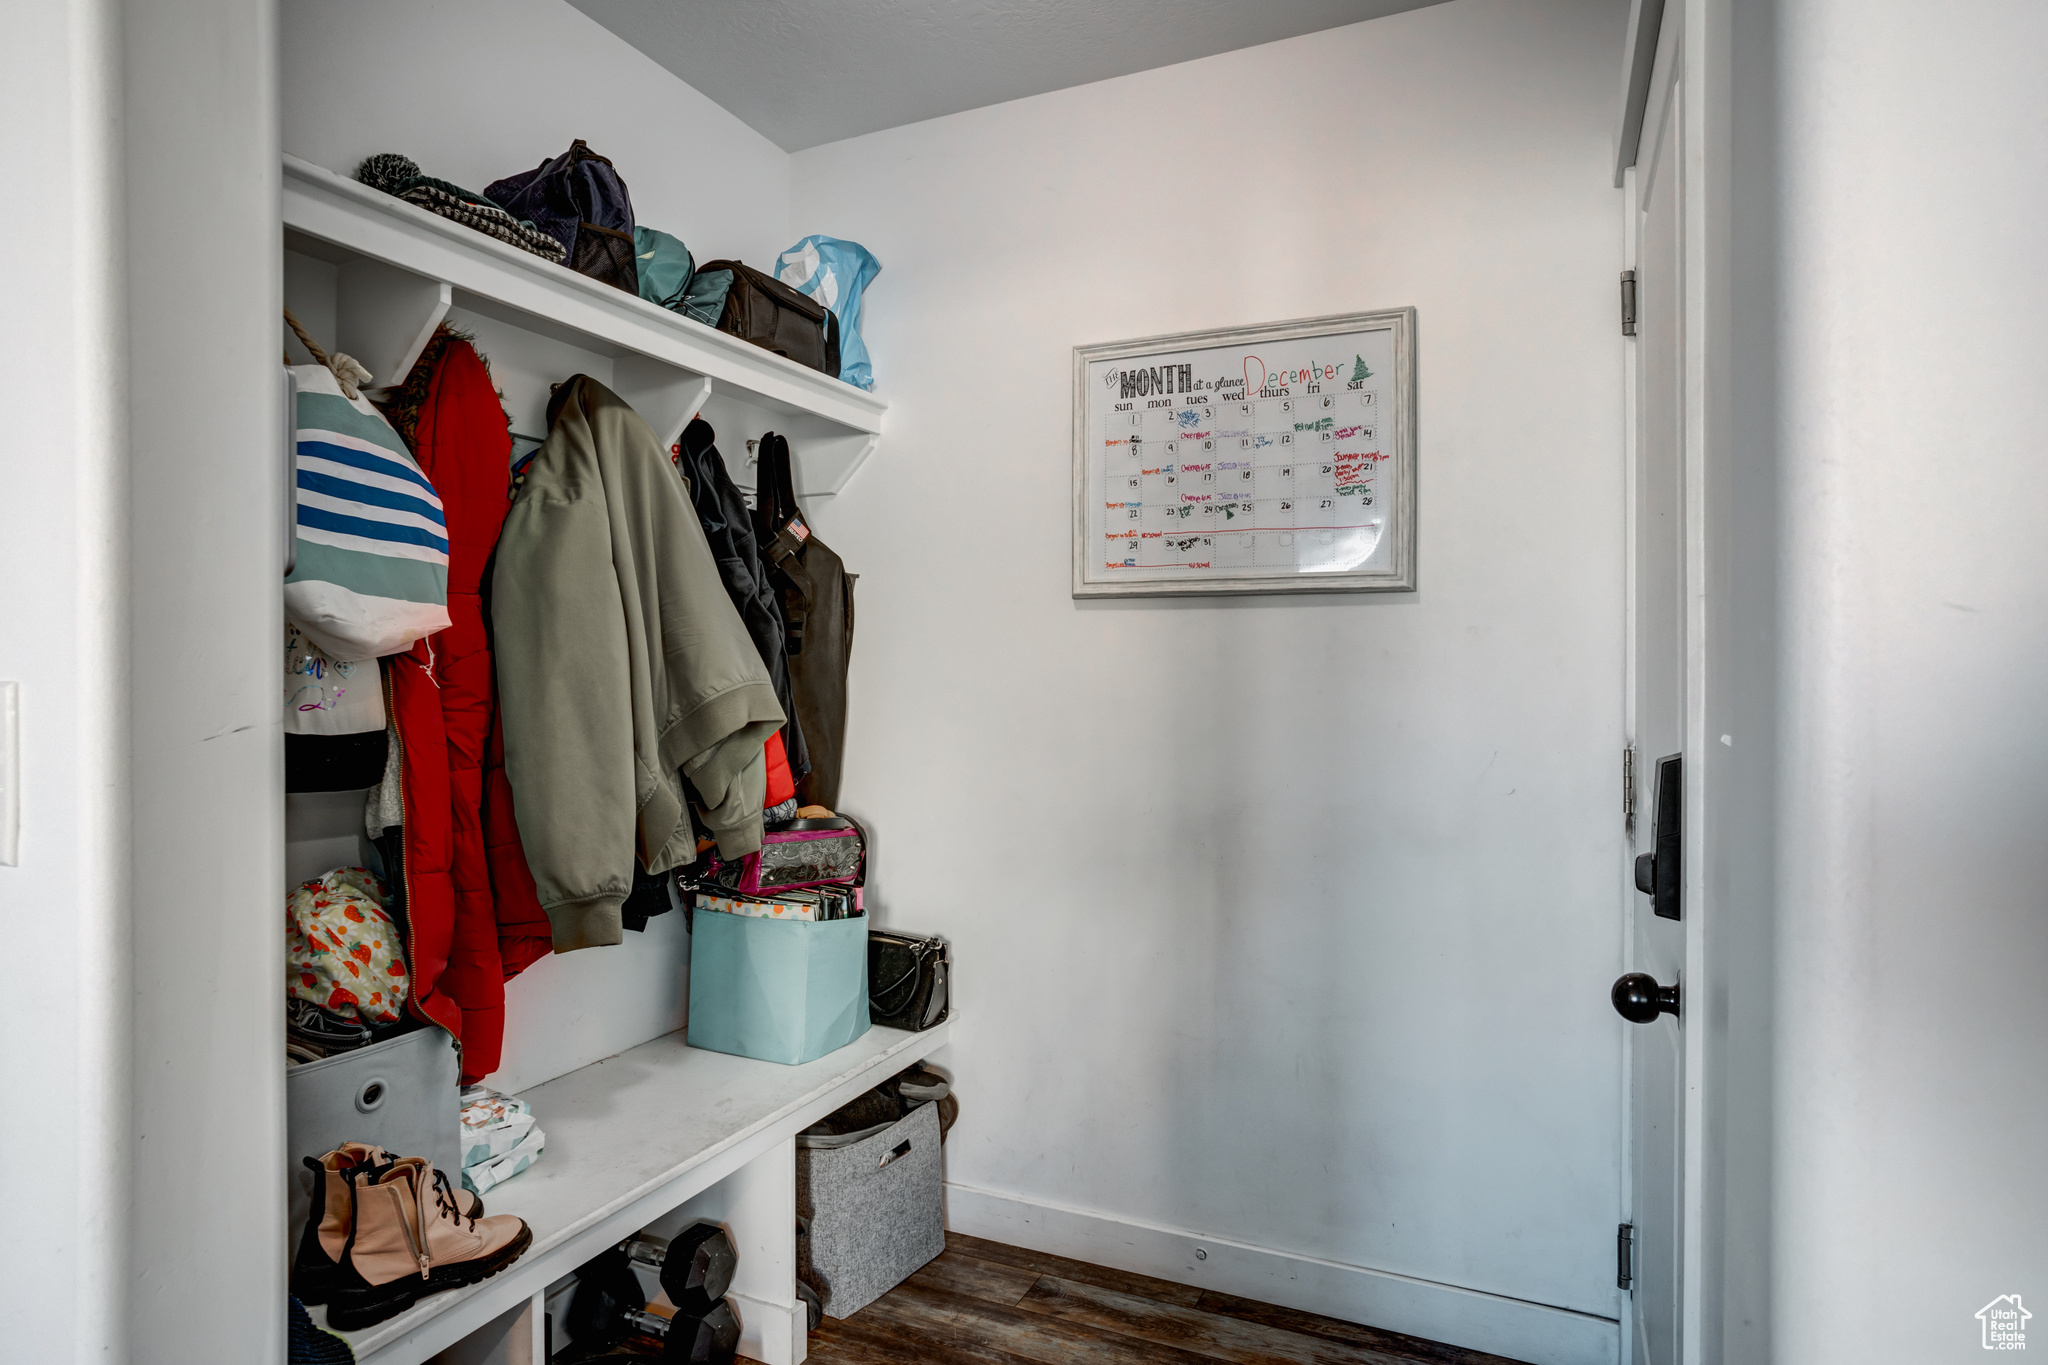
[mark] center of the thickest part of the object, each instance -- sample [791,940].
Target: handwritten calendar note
[1264,459]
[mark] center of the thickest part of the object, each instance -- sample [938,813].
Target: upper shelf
[490,276]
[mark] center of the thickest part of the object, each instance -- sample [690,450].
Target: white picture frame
[1302,478]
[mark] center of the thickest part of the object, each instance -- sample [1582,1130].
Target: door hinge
[1625,1256]
[1628,789]
[1628,303]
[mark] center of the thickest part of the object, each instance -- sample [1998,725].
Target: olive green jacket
[620,661]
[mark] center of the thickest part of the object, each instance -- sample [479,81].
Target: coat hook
[753,452]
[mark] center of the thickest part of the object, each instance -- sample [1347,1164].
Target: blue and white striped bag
[372,571]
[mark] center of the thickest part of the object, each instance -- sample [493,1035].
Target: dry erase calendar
[1259,459]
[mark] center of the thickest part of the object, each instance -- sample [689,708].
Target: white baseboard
[772,1333]
[1520,1330]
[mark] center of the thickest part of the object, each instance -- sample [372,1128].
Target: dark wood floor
[983,1303]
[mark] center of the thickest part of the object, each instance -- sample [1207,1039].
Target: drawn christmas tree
[1359,371]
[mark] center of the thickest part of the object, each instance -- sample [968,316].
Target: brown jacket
[817,605]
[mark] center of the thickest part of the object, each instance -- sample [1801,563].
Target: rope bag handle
[346,369]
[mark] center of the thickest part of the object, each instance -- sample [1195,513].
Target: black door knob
[1639,999]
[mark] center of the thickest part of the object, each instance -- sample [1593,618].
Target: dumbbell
[707,1337]
[710,1337]
[697,1270]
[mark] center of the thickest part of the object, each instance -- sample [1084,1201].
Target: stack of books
[811,903]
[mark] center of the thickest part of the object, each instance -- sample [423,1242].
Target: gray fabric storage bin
[876,1211]
[403,1094]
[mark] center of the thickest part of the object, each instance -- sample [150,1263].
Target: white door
[1658,636]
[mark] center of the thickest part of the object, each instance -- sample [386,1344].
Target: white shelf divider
[665,396]
[385,317]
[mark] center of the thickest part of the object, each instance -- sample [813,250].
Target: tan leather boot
[410,1240]
[468,1202]
[318,1263]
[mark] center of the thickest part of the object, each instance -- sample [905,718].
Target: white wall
[63,1070]
[205,473]
[1741,513]
[1285,921]
[140,543]
[474,90]
[1912,915]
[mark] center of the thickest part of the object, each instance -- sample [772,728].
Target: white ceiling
[802,72]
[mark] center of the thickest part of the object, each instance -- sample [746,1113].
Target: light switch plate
[10,774]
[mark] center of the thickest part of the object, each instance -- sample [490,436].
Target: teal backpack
[669,277]
[665,266]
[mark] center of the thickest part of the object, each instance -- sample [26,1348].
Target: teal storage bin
[780,990]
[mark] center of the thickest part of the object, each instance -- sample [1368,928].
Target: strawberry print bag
[342,951]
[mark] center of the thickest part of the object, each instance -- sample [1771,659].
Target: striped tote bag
[372,571]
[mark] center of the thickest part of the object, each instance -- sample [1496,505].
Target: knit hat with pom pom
[400,176]
[390,172]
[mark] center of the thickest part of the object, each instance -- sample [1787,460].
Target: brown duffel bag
[762,309]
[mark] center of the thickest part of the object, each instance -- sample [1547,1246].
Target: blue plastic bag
[836,272]
[786,991]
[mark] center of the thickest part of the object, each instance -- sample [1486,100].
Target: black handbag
[909,984]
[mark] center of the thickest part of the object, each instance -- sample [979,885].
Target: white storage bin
[402,1094]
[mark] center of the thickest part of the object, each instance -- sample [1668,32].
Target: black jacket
[730,531]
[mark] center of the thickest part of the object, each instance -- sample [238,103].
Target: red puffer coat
[473,918]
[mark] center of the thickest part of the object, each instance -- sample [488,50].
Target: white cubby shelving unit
[658,1133]
[660,1129]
